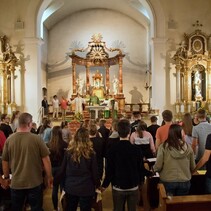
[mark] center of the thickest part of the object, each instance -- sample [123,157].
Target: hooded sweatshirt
[174,165]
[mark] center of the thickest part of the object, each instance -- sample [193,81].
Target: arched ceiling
[60,9]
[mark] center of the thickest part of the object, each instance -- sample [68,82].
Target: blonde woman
[79,172]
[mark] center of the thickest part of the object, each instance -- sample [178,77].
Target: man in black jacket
[45,106]
[125,170]
[136,118]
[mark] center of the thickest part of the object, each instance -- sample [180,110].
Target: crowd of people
[96,156]
[62,105]
[77,105]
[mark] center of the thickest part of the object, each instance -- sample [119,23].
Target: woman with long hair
[175,162]
[79,172]
[143,139]
[45,130]
[187,127]
[14,120]
[57,147]
[66,133]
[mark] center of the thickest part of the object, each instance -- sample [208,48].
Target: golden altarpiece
[193,74]
[98,56]
[8,62]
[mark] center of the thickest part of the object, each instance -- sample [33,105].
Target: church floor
[107,202]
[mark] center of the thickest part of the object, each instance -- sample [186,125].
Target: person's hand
[49,182]
[102,189]
[5,183]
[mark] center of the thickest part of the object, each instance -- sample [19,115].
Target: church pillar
[208,82]
[160,90]
[178,94]
[87,80]
[32,78]
[74,77]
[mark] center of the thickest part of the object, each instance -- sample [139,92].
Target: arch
[157,17]
[41,11]
[153,8]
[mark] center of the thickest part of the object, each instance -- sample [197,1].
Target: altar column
[87,80]
[13,103]
[107,80]
[120,91]
[2,105]
[185,94]
[4,89]
[209,81]
[74,77]
[178,94]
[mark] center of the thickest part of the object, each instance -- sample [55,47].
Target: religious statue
[182,51]
[79,84]
[115,83]
[97,80]
[197,84]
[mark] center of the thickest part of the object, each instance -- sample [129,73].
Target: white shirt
[55,103]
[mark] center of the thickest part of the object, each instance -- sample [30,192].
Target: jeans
[121,197]
[84,201]
[208,185]
[56,188]
[177,188]
[34,197]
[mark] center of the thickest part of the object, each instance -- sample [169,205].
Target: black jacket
[80,179]
[125,168]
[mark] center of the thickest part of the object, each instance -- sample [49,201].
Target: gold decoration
[97,38]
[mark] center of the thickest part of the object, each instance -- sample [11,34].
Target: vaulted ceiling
[60,9]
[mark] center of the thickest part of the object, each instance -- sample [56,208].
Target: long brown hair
[174,139]
[142,126]
[56,142]
[81,146]
[187,124]
[45,125]
[14,115]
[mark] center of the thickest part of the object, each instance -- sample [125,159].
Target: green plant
[78,116]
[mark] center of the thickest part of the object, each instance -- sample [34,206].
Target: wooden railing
[142,107]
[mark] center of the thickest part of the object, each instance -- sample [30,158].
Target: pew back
[183,203]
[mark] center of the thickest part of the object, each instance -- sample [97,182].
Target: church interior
[42,43]
[147,55]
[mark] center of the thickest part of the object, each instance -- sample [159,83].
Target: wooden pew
[183,203]
[197,188]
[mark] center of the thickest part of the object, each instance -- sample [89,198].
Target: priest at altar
[94,100]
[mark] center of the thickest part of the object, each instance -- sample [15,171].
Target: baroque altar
[193,74]
[8,63]
[97,55]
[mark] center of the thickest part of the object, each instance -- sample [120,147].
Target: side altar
[97,55]
[193,74]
